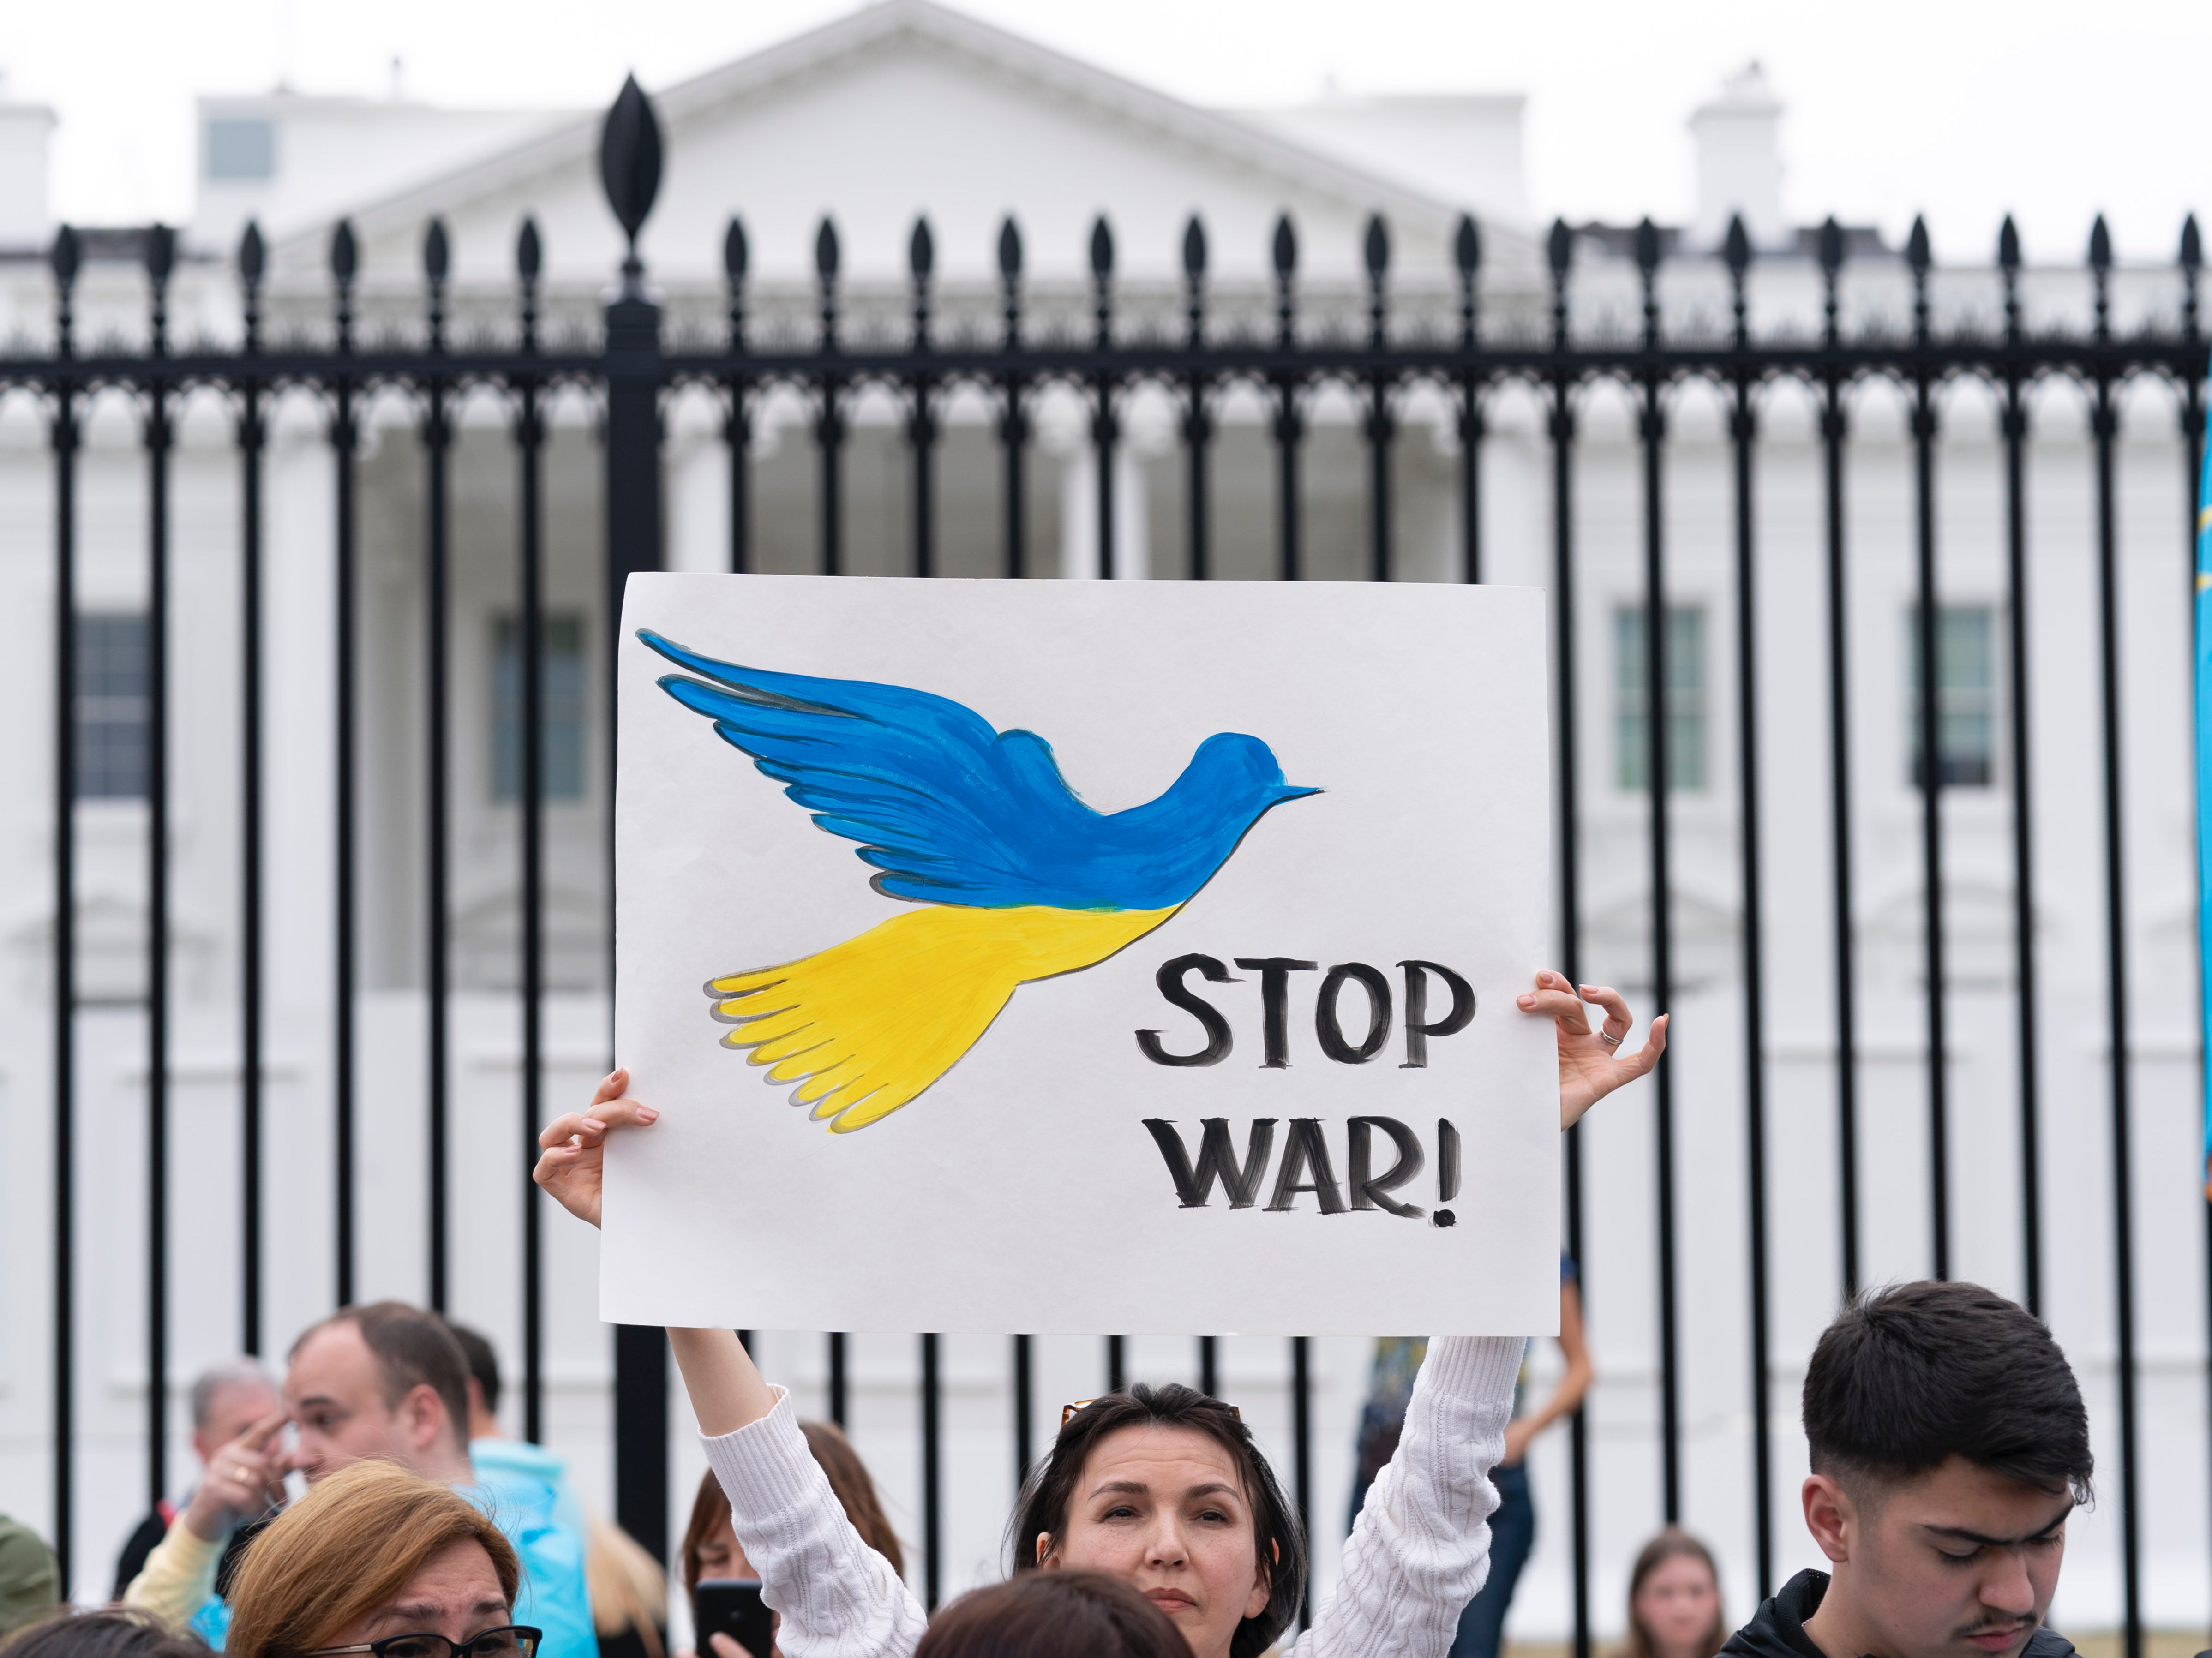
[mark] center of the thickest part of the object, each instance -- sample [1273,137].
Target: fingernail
[593,1122]
[646,1113]
[1527,1000]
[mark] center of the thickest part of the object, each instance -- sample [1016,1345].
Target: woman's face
[1165,1509]
[1678,1606]
[720,1555]
[456,1594]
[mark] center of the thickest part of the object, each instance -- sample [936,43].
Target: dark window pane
[1687,727]
[1965,694]
[562,691]
[241,149]
[111,708]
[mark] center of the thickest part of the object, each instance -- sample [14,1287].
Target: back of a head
[349,1547]
[482,1362]
[104,1632]
[413,1349]
[1053,1615]
[1912,1374]
[216,1380]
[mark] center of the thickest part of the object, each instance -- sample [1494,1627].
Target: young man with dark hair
[1950,1444]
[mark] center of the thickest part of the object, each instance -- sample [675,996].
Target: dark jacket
[1777,1629]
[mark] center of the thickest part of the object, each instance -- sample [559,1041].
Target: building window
[241,149]
[111,708]
[1686,698]
[561,703]
[1966,695]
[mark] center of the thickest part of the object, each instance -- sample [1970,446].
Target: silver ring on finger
[1613,1042]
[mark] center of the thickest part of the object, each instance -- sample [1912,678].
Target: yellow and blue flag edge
[2204,786]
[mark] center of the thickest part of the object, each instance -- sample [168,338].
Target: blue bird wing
[947,810]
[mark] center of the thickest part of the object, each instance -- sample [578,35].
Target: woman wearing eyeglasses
[377,1560]
[1160,1487]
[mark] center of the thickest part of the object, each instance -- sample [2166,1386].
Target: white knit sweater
[1419,1552]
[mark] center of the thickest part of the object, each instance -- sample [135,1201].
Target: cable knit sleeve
[1421,1546]
[836,1593]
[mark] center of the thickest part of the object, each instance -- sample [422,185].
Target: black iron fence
[634,370]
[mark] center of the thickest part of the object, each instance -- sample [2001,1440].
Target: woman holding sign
[1159,1486]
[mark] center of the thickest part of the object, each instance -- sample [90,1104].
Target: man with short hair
[387,1380]
[1950,1444]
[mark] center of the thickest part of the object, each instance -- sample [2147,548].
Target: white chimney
[1739,162]
[24,129]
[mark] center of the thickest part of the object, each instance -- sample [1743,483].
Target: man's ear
[1830,1516]
[422,1416]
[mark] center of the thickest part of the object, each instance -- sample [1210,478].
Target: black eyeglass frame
[526,1645]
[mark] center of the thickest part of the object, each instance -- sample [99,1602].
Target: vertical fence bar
[1013,422]
[933,1533]
[738,432]
[251,258]
[629,170]
[64,437]
[1209,1366]
[1024,1411]
[344,449]
[1559,253]
[1289,427]
[1301,1452]
[1104,429]
[1117,1363]
[529,628]
[830,429]
[2105,423]
[1931,755]
[1652,429]
[1467,255]
[1743,431]
[1197,426]
[1377,256]
[161,257]
[921,429]
[1835,424]
[2012,422]
[436,434]
[837,1400]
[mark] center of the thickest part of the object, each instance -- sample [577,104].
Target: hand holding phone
[733,1606]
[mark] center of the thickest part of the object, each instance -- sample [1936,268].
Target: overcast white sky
[1962,109]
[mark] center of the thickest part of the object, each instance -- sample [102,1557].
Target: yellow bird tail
[864,1026]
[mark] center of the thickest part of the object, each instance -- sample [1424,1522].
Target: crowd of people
[1948,1443]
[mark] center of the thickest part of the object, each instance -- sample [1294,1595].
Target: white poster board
[1192,1013]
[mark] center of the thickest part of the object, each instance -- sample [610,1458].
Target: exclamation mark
[1446,1172]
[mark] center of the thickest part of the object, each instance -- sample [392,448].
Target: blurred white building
[904,109]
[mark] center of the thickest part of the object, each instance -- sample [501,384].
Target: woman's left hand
[1591,1064]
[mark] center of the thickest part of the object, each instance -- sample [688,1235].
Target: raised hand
[574,1162]
[1591,1064]
[243,1479]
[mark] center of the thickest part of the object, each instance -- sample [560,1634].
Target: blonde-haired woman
[377,1560]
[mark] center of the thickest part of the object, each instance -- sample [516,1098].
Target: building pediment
[907,108]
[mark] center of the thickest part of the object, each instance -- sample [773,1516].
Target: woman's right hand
[574,1161]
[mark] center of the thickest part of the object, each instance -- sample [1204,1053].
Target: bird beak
[1286,791]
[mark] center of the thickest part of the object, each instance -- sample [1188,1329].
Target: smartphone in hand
[733,1606]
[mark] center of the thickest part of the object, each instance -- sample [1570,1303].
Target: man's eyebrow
[314,1399]
[1962,1535]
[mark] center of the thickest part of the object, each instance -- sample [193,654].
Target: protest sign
[1082,956]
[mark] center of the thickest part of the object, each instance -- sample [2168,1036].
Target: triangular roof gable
[1246,172]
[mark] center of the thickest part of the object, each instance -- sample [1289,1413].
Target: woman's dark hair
[1672,1544]
[1053,1615]
[1276,1537]
[108,1632]
[1910,1375]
